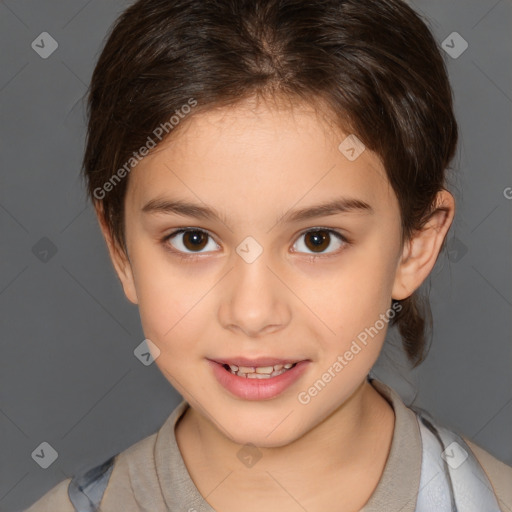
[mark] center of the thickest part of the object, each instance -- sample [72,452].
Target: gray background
[68,373]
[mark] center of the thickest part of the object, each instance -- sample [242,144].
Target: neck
[354,439]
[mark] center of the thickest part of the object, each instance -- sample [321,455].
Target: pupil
[319,238]
[197,238]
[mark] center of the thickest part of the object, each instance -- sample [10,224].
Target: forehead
[233,155]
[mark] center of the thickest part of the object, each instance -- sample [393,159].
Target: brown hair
[374,63]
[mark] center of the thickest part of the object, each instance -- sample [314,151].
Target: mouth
[258,381]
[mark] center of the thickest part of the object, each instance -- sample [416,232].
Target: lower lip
[257,389]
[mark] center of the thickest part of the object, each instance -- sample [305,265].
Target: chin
[272,434]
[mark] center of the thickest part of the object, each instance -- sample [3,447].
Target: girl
[269,176]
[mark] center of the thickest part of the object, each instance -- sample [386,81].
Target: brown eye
[319,240]
[189,240]
[194,240]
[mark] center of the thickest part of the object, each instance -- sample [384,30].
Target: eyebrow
[188,209]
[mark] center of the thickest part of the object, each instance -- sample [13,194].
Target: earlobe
[119,259]
[420,253]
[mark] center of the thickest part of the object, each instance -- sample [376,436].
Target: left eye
[318,240]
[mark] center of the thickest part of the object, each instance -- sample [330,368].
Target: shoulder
[136,457]
[499,474]
[134,475]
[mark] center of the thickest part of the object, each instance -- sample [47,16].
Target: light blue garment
[86,491]
[452,479]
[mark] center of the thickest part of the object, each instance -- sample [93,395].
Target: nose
[254,299]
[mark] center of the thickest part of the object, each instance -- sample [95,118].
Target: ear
[421,251]
[119,258]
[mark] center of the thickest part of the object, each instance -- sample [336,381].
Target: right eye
[193,240]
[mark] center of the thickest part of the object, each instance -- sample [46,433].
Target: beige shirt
[151,475]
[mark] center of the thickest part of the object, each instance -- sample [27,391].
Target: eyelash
[312,257]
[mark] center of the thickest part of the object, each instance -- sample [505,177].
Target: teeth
[246,369]
[265,369]
[260,372]
[257,376]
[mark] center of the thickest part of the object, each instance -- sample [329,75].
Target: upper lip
[260,361]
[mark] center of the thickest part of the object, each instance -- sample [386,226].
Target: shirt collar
[397,489]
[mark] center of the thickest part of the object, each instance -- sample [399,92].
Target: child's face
[255,167]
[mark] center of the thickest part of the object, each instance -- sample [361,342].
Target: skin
[253,163]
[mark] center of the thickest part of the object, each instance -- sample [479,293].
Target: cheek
[170,299]
[351,295]
[358,300]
